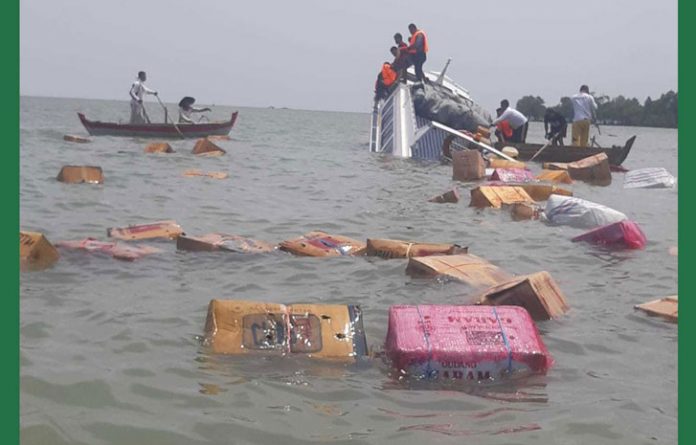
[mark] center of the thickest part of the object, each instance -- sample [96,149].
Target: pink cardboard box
[512,175]
[626,233]
[464,343]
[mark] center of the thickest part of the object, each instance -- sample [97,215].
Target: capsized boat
[414,120]
[159,130]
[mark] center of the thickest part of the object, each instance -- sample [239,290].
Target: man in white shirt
[518,122]
[584,107]
[138,89]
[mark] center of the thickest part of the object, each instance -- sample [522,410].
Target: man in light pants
[584,107]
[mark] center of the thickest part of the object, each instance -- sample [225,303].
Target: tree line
[620,110]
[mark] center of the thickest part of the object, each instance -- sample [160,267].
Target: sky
[325,55]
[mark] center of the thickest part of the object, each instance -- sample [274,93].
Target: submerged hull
[161,131]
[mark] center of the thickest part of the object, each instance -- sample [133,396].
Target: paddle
[147,118]
[543,148]
[165,117]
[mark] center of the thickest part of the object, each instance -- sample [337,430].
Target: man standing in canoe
[138,89]
[584,107]
[417,48]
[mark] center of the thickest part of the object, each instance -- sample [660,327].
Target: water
[110,351]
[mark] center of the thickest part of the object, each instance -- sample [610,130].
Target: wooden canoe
[570,153]
[160,130]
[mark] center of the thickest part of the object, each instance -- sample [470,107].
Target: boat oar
[147,118]
[598,130]
[543,148]
[165,118]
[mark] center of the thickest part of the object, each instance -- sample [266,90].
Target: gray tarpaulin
[438,103]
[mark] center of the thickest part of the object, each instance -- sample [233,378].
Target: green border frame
[687,157]
[9,225]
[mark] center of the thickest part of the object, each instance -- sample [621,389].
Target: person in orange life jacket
[417,49]
[503,130]
[402,59]
[517,121]
[385,79]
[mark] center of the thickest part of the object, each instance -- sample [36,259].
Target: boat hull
[569,153]
[160,131]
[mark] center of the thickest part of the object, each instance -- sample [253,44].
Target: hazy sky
[325,55]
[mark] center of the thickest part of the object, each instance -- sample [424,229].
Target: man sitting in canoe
[138,89]
[186,109]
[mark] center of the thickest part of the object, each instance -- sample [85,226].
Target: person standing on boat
[417,49]
[186,110]
[138,89]
[555,126]
[503,130]
[402,60]
[517,121]
[584,107]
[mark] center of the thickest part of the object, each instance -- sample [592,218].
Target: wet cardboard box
[593,169]
[322,331]
[451,196]
[119,251]
[160,229]
[468,268]
[206,147]
[467,165]
[624,233]
[321,244]
[559,176]
[159,147]
[538,293]
[667,308]
[504,163]
[388,248]
[35,252]
[518,175]
[74,138]
[464,343]
[495,196]
[77,174]
[536,191]
[220,241]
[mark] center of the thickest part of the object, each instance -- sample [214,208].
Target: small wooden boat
[570,153]
[162,130]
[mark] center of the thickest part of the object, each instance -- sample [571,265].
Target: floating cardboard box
[464,343]
[207,148]
[593,169]
[504,163]
[555,166]
[321,244]
[35,251]
[667,308]
[580,213]
[223,137]
[220,241]
[467,268]
[524,210]
[560,176]
[214,175]
[623,233]
[389,248]
[159,147]
[160,229]
[496,196]
[318,330]
[649,178]
[538,293]
[518,175]
[467,165]
[451,196]
[76,174]
[78,139]
[116,250]
[536,191]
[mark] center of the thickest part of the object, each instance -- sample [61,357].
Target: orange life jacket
[505,128]
[388,74]
[412,42]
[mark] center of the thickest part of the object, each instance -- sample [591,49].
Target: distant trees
[662,112]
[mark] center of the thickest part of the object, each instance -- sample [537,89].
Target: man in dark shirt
[555,126]
[402,60]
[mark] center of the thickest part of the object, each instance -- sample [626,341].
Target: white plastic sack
[579,213]
[656,177]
